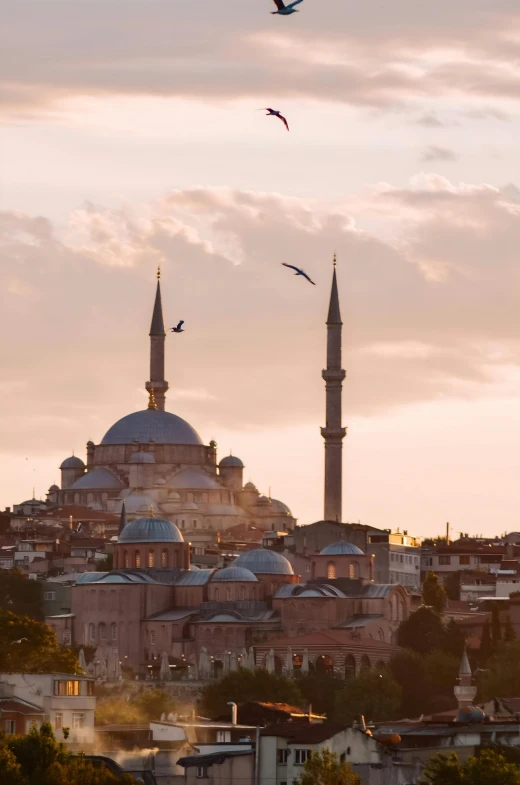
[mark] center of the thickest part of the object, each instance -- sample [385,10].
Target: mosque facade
[153,459]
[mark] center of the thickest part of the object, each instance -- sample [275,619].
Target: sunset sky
[130,136]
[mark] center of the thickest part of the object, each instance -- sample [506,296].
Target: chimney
[234,713]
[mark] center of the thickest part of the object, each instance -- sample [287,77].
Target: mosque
[153,459]
[155,609]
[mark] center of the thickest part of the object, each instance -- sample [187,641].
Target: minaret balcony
[333,434]
[333,374]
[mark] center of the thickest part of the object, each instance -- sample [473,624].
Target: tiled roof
[328,638]
[19,706]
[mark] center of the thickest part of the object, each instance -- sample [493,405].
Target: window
[49,595]
[113,631]
[300,756]
[228,593]
[10,727]
[90,688]
[152,637]
[91,632]
[283,755]
[216,595]
[164,558]
[69,687]
[126,560]
[242,593]
[137,559]
[78,721]
[463,559]
[151,558]
[331,570]
[67,637]
[58,721]
[445,560]
[102,631]
[202,772]
[223,736]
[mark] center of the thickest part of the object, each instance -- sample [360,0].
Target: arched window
[126,560]
[380,635]
[229,593]
[242,593]
[137,559]
[152,637]
[102,631]
[151,558]
[216,595]
[67,637]
[113,631]
[331,570]
[401,610]
[365,663]
[350,667]
[91,632]
[394,608]
[353,570]
[164,558]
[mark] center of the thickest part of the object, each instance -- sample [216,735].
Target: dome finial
[159,272]
[152,513]
[334,261]
[151,403]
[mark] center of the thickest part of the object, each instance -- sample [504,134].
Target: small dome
[231,462]
[250,486]
[53,489]
[341,549]
[72,463]
[281,507]
[142,457]
[263,500]
[233,573]
[264,562]
[150,530]
[151,425]
[189,506]
[174,496]
[97,478]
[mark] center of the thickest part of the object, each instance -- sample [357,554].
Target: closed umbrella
[305,663]
[82,661]
[165,673]
[289,669]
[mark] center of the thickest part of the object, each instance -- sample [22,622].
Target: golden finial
[151,403]
[152,513]
[159,273]
[335,260]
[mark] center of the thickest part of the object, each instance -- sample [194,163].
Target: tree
[377,696]
[454,640]
[28,646]
[245,685]
[408,670]
[502,674]
[433,592]
[422,632]
[442,670]
[496,629]
[486,644]
[489,768]
[106,564]
[323,768]
[320,691]
[39,758]
[117,711]
[509,631]
[452,585]
[153,703]
[20,595]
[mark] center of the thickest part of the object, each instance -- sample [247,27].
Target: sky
[131,137]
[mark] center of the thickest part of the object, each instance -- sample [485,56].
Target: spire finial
[159,272]
[151,403]
[334,261]
[152,513]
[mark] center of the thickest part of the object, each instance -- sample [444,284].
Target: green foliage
[39,653]
[509,631]
[422,632]
[106,564]
[117,711]
[408,670]
[39,758]
[442,671]
[323,768]
[502,674]
[486,645]
[453,640]
[496,629]
[452,585]
[490,768]
[320,692]
[243,686]
[20,595]
[153,703]
[375,695]
[433,592]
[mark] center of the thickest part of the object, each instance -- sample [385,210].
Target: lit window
[126,560]
[331,570]
[164,559]
[137,559]
[151,558]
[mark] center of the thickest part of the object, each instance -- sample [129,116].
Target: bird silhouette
[21,639]
[276,113]
[178,329]
[299,272]
[285,10]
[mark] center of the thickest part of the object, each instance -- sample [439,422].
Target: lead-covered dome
[151,425]
[264,562]
[341,549]
[150,530]
[231,462]
[72,463]
[230,574]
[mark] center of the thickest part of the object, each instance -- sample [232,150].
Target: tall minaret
[157,381]
[333,433]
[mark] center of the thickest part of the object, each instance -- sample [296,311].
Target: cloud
[438,153]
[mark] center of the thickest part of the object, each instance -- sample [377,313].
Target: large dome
[151,425]
[341,549]
[264,562]
[150,530]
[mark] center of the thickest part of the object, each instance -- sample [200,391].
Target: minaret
[157,381]
[333,433]
[465,690]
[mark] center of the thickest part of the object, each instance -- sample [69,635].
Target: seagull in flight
[178,329]
[20,641]
[285,10]
[299,272]
[276,112]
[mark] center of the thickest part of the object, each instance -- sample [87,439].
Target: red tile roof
[327,638]
[20,707]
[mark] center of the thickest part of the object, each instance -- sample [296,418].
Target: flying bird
[299,272]
[178,329]
[276,113]
[21,639]
[285,10]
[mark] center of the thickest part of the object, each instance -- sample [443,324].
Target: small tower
[231,470]
[122,519]
[71,470]
[333,433]
[465,690]
[157,381]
